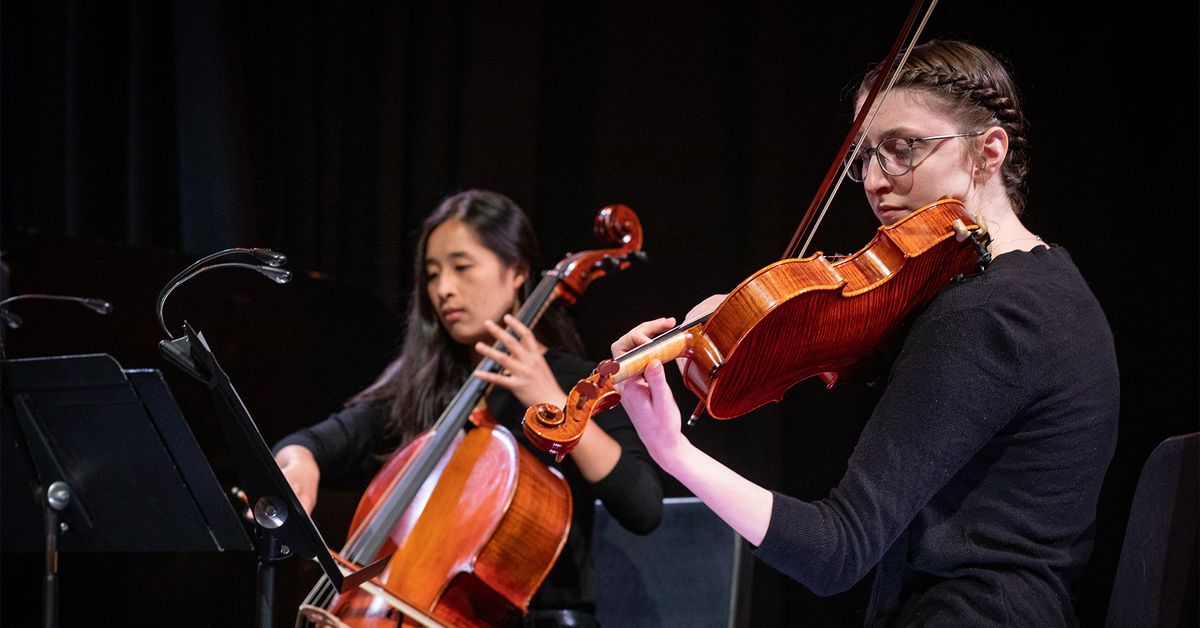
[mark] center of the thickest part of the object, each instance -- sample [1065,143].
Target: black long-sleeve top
[349,445]
[973,486]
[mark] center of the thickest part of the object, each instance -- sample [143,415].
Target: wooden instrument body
[794,319]
[800,318]
[509,514]
[475,520]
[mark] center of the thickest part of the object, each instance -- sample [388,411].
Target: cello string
[369,538]
[365,545]
[366,542]
[845,167]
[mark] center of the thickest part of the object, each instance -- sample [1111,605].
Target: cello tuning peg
[607,263]
[637,256]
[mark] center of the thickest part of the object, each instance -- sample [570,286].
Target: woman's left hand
[523,369]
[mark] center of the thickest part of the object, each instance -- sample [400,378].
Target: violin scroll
[557,430]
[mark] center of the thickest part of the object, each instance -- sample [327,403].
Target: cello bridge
[320,618]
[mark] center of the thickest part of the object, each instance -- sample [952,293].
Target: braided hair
[975,87]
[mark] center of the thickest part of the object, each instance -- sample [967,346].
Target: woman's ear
[993,149]
[522,274]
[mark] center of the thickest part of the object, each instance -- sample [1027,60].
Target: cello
[799,317]
[509,513]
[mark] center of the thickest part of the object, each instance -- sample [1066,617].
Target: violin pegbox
[558,430]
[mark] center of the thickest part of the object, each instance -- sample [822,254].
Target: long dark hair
[431,367]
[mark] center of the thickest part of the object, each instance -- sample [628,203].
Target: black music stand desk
[97,458]
[277,511]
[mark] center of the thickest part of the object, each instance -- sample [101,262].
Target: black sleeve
[344,444]
[632,492]
[954,384]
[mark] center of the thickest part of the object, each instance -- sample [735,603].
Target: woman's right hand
[302,473]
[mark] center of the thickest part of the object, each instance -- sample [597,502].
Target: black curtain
[328,130]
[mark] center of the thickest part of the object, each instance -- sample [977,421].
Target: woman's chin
[467,339]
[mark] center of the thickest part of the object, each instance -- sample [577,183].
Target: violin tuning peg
[607,369]
[638,256]
[587,391]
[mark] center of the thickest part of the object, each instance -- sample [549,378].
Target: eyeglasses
[895,155]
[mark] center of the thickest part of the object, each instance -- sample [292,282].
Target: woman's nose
[443,288]
[875,180]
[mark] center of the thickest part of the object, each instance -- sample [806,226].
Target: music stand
[104,459]
[277,511]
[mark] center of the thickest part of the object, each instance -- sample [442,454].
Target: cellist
[972,489]
[475,256]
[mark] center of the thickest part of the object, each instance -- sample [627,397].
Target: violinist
[475,257]
[972,489]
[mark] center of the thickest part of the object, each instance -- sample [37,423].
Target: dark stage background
[140,136]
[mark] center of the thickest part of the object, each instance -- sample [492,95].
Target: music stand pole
[57,498]
[270,552]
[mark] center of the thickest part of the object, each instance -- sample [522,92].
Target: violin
[473,521]
[796,318]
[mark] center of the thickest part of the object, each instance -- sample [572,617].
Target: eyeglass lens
[894,155]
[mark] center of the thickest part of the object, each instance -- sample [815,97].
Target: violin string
[845,168]
[663,337]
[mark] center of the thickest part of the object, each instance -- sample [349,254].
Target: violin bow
[837,170]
